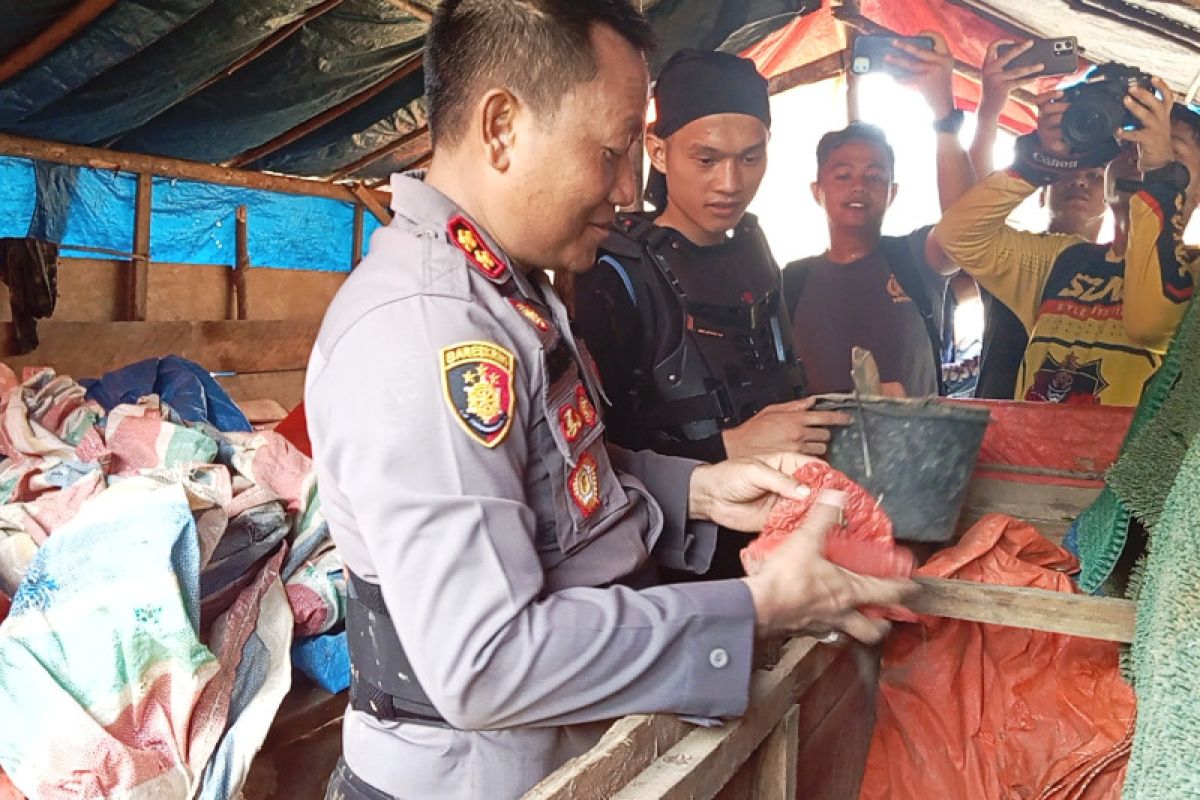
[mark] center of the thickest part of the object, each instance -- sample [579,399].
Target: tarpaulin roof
[327,88]
[333,88]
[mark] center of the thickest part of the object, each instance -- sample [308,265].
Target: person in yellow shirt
[1100,317]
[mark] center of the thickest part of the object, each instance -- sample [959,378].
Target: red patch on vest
[586,409]
[584,485]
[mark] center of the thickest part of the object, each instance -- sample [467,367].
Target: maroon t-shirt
[841,306]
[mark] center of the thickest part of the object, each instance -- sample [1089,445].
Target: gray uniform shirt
[462,466]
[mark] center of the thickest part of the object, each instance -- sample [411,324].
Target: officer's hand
[798,591]
[784,426]
[739,493]
[1154,114]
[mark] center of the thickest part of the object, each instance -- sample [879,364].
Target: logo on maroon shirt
[1067,381]
[896,291]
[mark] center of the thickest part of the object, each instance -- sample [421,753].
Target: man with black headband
[683,310]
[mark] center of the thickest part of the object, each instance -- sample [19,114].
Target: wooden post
[139,265]
[775,762]
[356,244]
[242,267]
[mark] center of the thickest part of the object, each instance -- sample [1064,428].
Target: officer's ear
[895,190]
[499,110]
[656,150]
[817,194]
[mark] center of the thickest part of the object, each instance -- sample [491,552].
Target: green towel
[1166,422]
[1165,656]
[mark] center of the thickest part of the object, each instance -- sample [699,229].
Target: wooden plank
[139,265]
[812,72]
[328,115]
[285,387]
[292,294]
[834,752]
[406,148]
[704,760]
[262,411]
[97,158]
[371,202]
[304,709]
[1022,607]
[52,37]
[89,349]
[88,290]
[201,292]
[774,764]
[356,242]
[242,265]
[413,9]
[1048,507]
[628,747]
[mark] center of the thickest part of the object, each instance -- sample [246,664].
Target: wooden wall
[189,312]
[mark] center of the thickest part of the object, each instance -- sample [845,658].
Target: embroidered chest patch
[584,485]
[468,239]
[477,380]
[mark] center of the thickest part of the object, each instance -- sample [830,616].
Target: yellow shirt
[1098,325]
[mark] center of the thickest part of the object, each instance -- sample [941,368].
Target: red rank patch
[465,236]
[584,484]
[586,409]
[531,314]
[570,421]
[477,380]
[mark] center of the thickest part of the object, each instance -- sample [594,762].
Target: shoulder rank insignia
[584,485]
[477,379]
[536,318]
[465,236]
[570,421]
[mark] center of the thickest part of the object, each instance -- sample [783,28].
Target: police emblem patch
[584,485]
[464,235]
[584,404]
[531,314]
[477,380]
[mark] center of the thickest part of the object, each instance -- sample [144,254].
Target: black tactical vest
[720,345]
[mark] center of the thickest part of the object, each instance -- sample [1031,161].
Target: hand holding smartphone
[870,53]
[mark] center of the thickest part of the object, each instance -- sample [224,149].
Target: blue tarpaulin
[191,222]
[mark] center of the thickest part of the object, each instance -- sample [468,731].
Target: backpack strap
[906,263]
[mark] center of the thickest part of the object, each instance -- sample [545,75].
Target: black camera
[1097,106]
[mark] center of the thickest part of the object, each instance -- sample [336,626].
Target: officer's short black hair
[855,132]
[539,49]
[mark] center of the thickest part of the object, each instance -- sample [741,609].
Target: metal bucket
[917,459]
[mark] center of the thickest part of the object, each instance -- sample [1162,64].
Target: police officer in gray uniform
[488,530]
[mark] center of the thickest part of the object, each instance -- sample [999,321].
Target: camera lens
[1091,119]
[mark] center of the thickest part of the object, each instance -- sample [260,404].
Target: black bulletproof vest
[720,345]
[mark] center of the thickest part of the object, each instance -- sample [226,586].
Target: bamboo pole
[139,265]
[242,266]
[51,38]
[79,155]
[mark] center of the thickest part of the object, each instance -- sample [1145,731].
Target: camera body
[1097,106]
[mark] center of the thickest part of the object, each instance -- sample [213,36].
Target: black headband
[694,84]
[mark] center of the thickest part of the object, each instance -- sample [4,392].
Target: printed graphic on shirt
[896,291]
[1067,381]
[468,239]
[477,379]
[531,314]
[584,484]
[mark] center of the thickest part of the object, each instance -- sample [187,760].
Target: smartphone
[1060,56]
[870,51]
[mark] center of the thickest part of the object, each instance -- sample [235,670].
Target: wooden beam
[367,198]
[241,267]
[325,117]
[628,747]
[774,763]
[265,45]
[413,9]
[96,158]
[139,265]
[812,72]
[704,760]
[52,37]
[356,240]
[90,349]
[416,142]
[1021,607]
